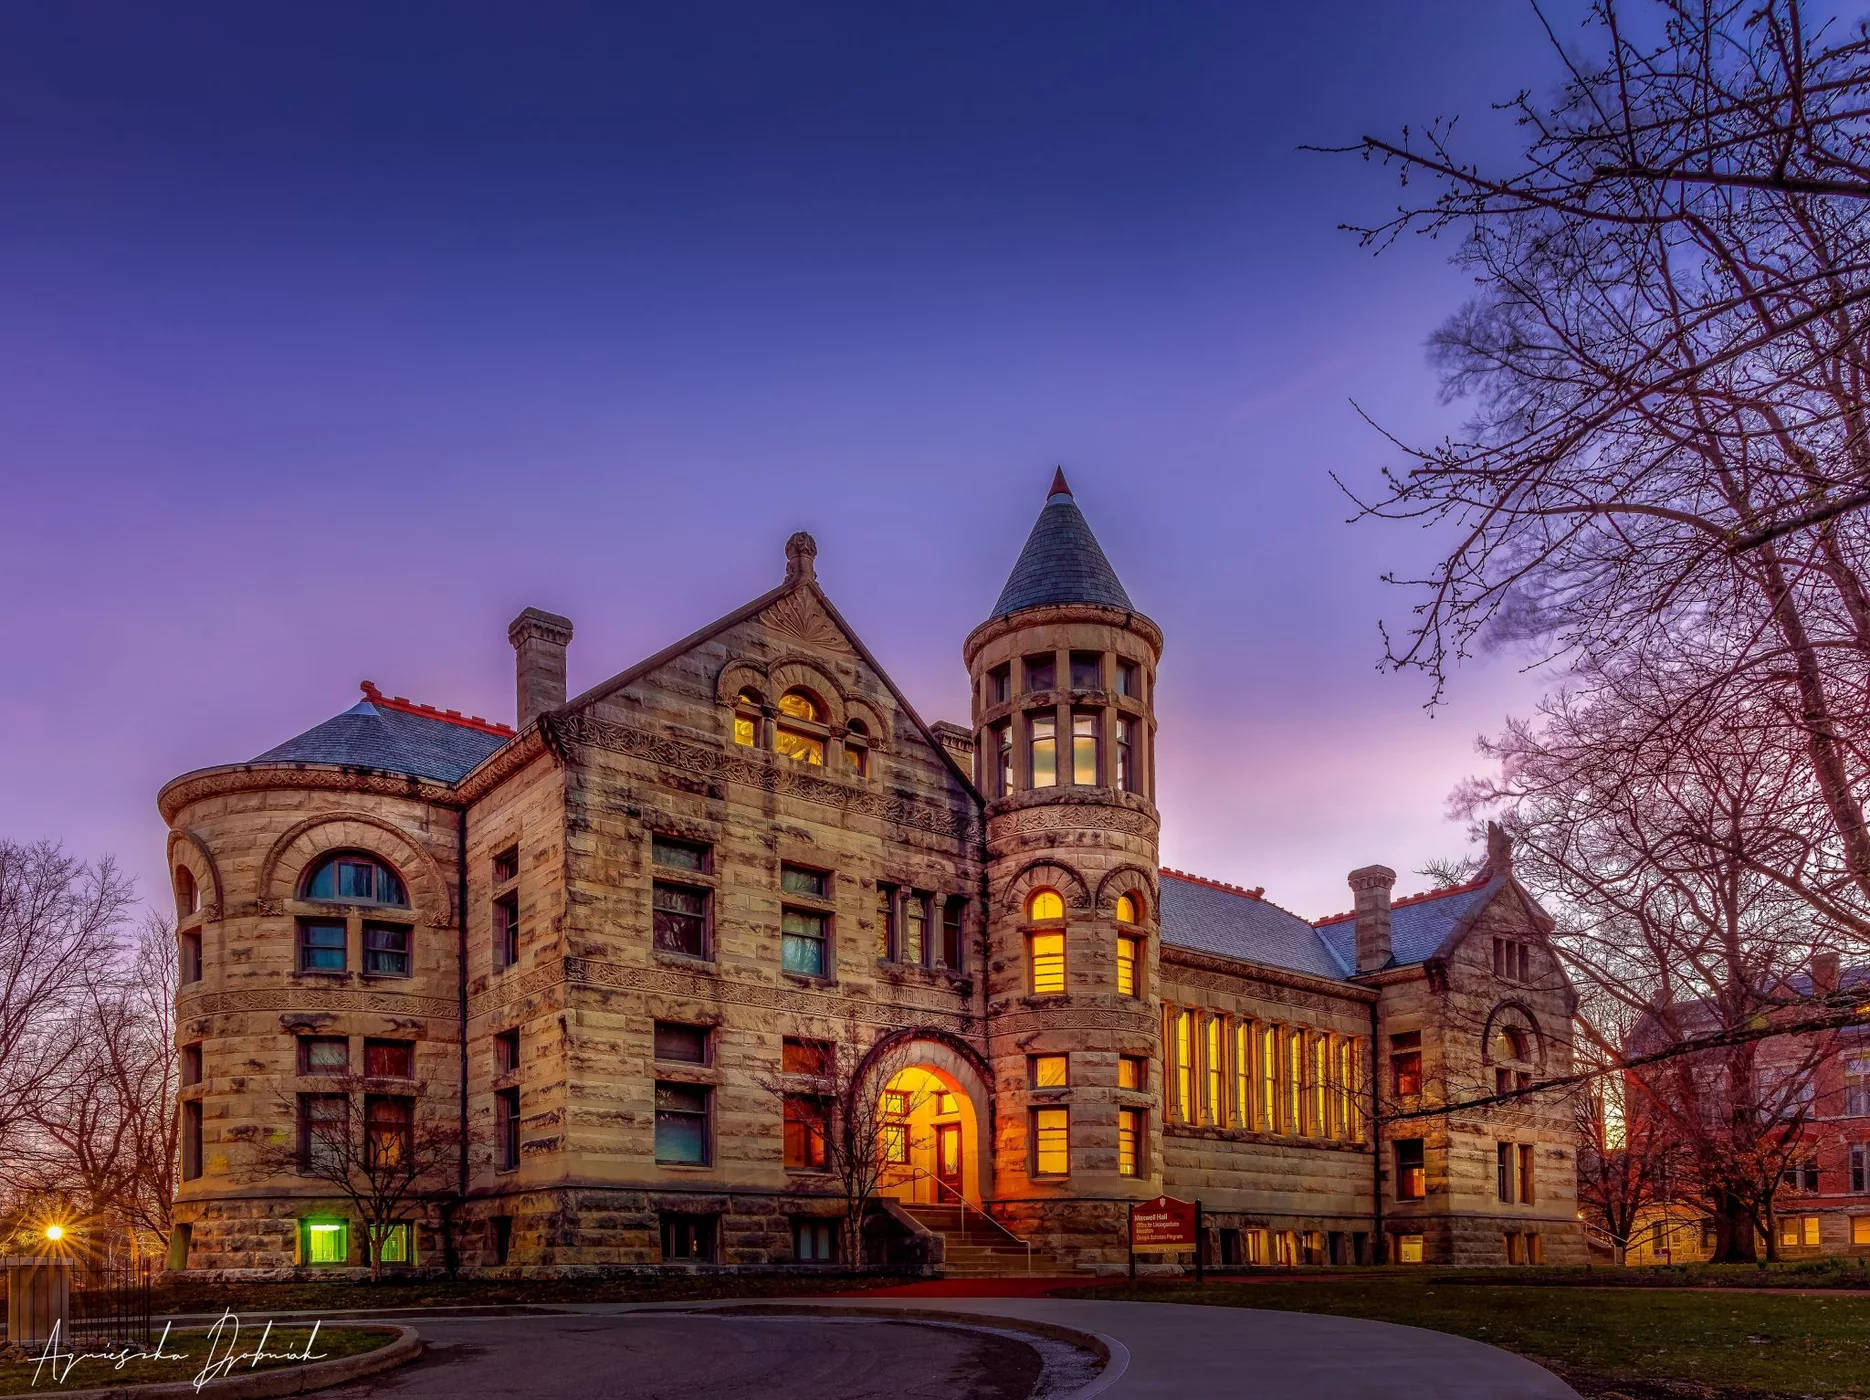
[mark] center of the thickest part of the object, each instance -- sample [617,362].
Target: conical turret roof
[1061,562]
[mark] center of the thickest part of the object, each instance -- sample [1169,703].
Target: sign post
[1165,1224]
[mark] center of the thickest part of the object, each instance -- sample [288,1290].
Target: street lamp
[55,1233]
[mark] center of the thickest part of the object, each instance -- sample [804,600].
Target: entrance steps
[974,1246]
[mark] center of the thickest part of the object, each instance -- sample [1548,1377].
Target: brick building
[600,938]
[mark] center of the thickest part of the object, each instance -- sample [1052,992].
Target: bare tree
[1627,1164]
[843,1117]
[384,1153]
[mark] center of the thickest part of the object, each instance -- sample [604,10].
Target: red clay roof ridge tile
[408,706]
[1476,883]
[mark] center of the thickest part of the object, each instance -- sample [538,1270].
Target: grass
[16,1377]
[1803,1273]
[1632,1342]
[336,1295]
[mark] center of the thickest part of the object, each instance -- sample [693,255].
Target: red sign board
[1164,1223]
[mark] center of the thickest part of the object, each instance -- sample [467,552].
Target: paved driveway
[1159,1350]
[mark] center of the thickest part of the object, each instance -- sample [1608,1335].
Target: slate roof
[1061,562]
[1211,918]
[395,736]
[1418,926]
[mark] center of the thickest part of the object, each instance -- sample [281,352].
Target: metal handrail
[966,1205]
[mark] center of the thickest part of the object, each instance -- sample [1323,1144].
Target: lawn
[1635,1342]
[16,1378]
[1803,1273]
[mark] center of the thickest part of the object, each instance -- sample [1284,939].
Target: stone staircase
[977,1247]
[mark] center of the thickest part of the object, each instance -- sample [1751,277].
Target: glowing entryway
[931,1137]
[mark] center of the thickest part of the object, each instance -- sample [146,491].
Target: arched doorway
[936,1119]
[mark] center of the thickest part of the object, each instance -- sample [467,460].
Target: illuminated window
[1406,1063]
[1860,1229]
[1321,1085]
[1408,1249]
[393,1246]
[1132,1072]
[1185,1066]
[1243,1075]
[1528,1171]
[1127,907]
[1295,1080]
[1269,1079]
[1084,748]
[1000,757]
[1129,1142]
[1043,906]
[747,706]
[1129,964]
[1214,1102]
[1051,1142]
[1043,729]
[1503,1170]
[915,928]
[807,1121]
[389,1125]
[1286,1248]
[1049,1071]
[355,878]
[1046,957]
[324,1242]
[894,1112]
[1411,1170]
[1798,1231]
[1535,1250]
[800,735]
[1126,764]
[857,749]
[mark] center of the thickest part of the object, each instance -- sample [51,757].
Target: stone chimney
[540,639]
[1827,974]
[1499,852]
[1370,887]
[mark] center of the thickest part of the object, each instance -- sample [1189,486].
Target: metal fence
[110,1302]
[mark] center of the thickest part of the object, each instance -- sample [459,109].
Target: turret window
[1000,685]
[1000,759]
[1084,748]
[187,896]
[1041,673]
[1044,748]
[1127,680]
[1129,965]
[1045,946]
[1128,907]
[355,878]
[1126,764]
[1086,670]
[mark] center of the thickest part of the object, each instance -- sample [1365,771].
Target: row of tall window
[800,729]
[1082,764]
[1086,670]
[1049,1124]
[1233,1072]
[1045,944]
[383,938]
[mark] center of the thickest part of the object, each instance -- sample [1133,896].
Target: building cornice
[1265,972]
[178,793]
[1126,619]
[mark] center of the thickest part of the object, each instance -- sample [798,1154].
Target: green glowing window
[393,1244]
[325,1241]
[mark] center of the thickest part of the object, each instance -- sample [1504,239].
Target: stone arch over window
[876,731]
[737,676]
[188,852]
[954,1060]
[1131,880]
[1047,874]
[795,673]
[1513,1036]
[304,845]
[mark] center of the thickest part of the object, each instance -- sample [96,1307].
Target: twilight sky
[334,335]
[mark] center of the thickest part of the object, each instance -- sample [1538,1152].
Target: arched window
[857,749]
[800,734]
[747,707]
[1512,1050]
[187,896]
[355,878]
[1044,906]
[1130,908]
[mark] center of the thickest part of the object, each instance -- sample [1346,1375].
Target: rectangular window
[796,879]
[506,866]
[1411,1170]
[1535,1250]
[324,1242]
[393,1245]
[324,1054]
[191,1139]
[1320,1071]
[1408,1249]
[1046,959]
[1129,962]
[1051,1142]
[1087,670]
[1269,1079]
[1041,673]
[895,1114]
[1503,1171]
[1512,960]
[807,1120]
[500,1230]
[1126,769]
[1860,1229]
[681,919]
[1346,1076]
[681,1042]
[1798,1231]
[1185,1066]
[798,1056]
[1000,684]
[1132,1072]
[1243,1074]
[191,1064]
[1000,758]
[1214,1065]
[506,931]
[1129,1142]
[1084,748]
[386,949]
[682,1124]
[190,943]
[1406,1063]
[1049,1071]
[506,1129]
[324,1130]
[815,1241]
[389,1127]
[694,856]
[1295,1080]
[321,946]
[746,729]
[953,911]
[887,940]
[1857,1086]
[1044,729]
[1860,1162]
[915,928]
[1512,1247]
[390,1059]
[1527,1171]
[506,1051]
[802,942]
[1800,1176]
[799,746]
[1126,680]
[688,1238]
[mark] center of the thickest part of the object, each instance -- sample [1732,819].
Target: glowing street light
[55,1233]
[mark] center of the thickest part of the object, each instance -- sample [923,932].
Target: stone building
[601,941]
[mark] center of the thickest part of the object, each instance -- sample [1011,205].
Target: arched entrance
[935,1117]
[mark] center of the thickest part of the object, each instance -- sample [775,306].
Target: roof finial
[801,554]
[1059,488]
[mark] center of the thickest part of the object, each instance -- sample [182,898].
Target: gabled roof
[1209,917]
[1419,924]
[396,736]
[1061,562]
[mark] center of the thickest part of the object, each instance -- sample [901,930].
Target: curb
[283,1380]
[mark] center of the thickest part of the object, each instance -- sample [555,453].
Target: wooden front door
[948,1160]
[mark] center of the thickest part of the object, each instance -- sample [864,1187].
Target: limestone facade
[603,933]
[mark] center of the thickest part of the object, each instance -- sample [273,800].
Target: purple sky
[335,336]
